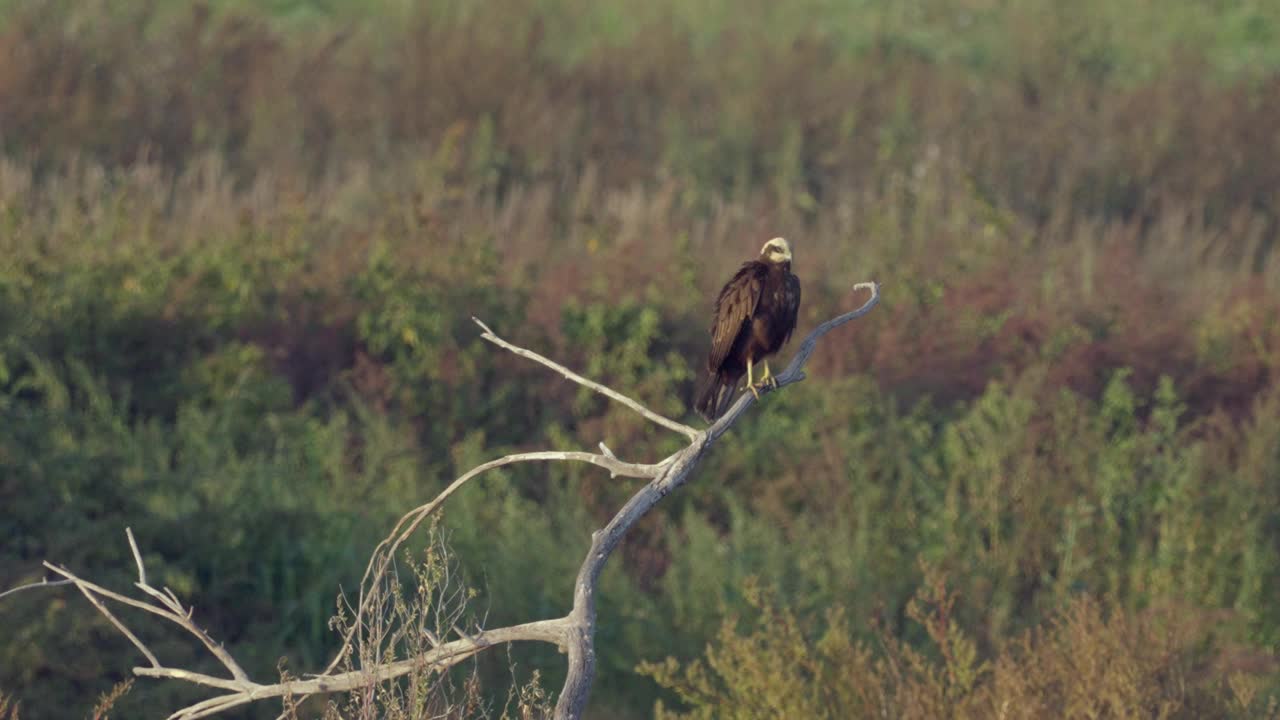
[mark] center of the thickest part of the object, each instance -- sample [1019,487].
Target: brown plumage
[754,316]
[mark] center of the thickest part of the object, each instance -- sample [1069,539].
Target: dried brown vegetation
[238,255]
[1083,663]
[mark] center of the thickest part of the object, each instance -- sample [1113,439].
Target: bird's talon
[754,391]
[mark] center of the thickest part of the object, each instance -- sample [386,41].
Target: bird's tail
[715,397]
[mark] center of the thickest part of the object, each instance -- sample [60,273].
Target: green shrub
[1083,662]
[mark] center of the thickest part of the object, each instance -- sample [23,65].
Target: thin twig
[137,558]
[173,611]
[44,583]
[610,393]
[182,616]
[102,608]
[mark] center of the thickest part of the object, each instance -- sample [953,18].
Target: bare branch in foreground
[573,633]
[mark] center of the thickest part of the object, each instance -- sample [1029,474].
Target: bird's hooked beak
[777,250]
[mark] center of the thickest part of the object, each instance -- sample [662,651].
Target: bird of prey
[754,316]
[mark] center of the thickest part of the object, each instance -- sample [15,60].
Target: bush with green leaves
[1085,661]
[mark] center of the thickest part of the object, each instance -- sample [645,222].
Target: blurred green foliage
[241,246]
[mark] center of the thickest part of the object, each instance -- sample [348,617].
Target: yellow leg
[751,385]
[768,380]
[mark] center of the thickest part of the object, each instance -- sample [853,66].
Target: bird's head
[777,250]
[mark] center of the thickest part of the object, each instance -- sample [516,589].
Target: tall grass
[239,251]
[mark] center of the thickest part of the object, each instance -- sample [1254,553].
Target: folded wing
[734,308]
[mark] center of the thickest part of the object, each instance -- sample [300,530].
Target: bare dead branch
[86,590]
[170,609]
[610,393]
[441,658]
[612,464]
[182,616]
[384,553]
[44,583]
[243,690]
[137,558]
